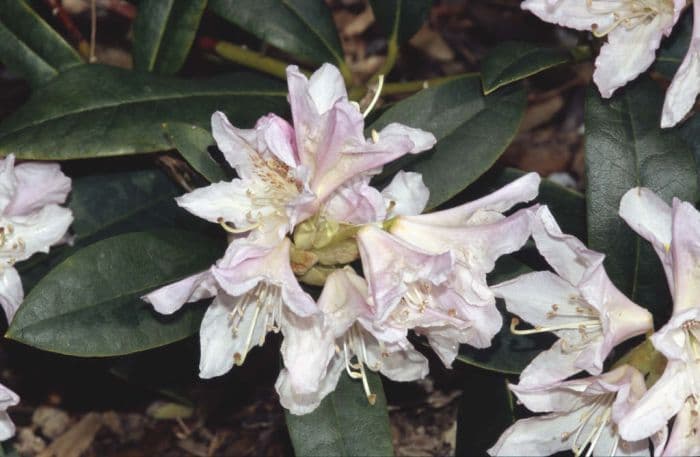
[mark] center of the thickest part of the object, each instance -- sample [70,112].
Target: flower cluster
[634,29]
[611,413]
[31,221]
[303,209]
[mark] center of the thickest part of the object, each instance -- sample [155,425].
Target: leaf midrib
[141,101]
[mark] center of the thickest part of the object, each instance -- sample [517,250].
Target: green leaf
[192,142]
[400,19]
[625,148]
[674,48]
[98,111]
[472,131]
[163,33]
[90,306]
[508,353]
[29,46]
[484,392]
[345,424]
[303,28]
[515,60]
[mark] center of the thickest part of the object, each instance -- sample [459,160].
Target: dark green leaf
[515,60]
[625,148]
[486,392]
[303,28]
[98,111]
[472,131]
[400,19]
[673,49]
[163,33]
[192,142]
[344,424]
[508,353]
[90,306]
[29,46]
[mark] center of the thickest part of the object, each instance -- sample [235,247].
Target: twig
[93,29]
[245,57]
[67,21]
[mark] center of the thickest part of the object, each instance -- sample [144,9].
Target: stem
[246,57]
[70,27]
[408,86]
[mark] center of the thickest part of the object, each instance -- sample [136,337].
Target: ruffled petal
[406,194]
[38,185]
[39,231]
[170,298]
[304,403]
[11,292]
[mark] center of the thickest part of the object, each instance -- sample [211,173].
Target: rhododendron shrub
[361,228]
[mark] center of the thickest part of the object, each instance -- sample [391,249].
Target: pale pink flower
[357,343]
[255,292]
[675,234]
[579,304]
[582,417]
[634,30]
[285,172]
[684,89]
[31,220]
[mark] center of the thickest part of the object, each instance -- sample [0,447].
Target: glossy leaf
[400,19]
[625,148]
[487,392]
[515,60]
[193,143]
[98,111]
[472,131]
[673,49]
[29,46]
[303,28]
[345,424]
[89,304]
[163,33]
[508,353]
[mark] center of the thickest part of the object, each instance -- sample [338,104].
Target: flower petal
[11,292]
[541,435]
[343,300]
[326,87]
[170,298]
[356,202]
[304,403]
[684,438]
[40,230]
[38,184]
[648,215]
[407,194]
[398,364]
[571,13]
[550,366]
[685,250]
[227,201]
[235,144]
[8,181]
[628,53]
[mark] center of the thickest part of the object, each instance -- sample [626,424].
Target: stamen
[377,92]
[225,225]
[240,358]
[581,326]
[375,136]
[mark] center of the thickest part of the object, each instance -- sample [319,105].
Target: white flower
[582,416]
[31,220]
[634,29]
[7,398]
[579,304]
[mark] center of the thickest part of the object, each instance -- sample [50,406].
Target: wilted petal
[170,298]
[38,184]
[406,195]
[628,53]
[11,292]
